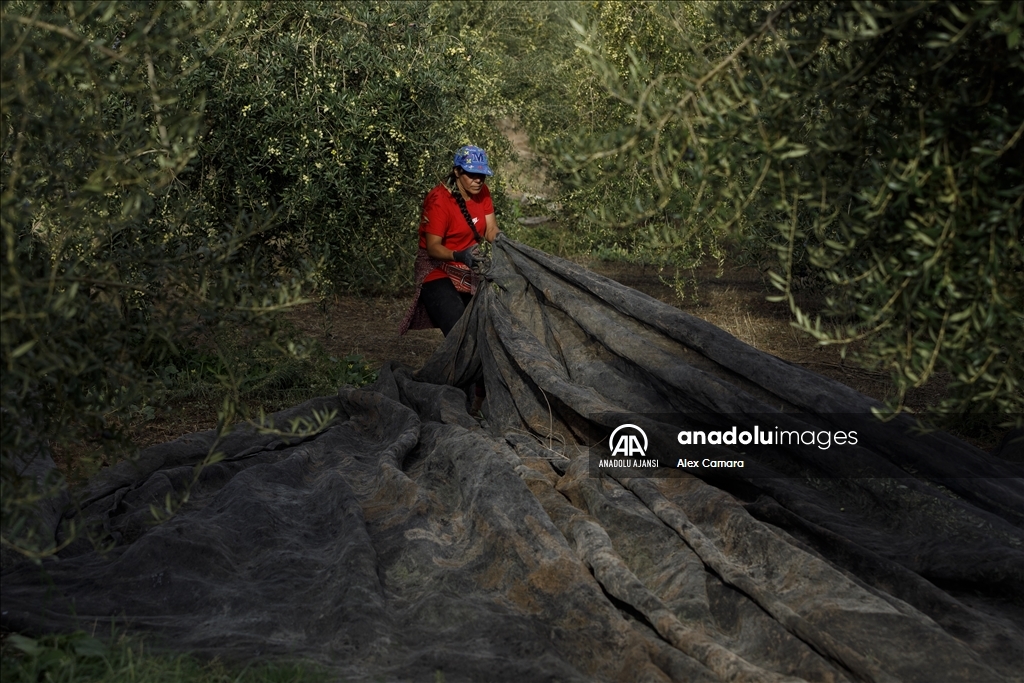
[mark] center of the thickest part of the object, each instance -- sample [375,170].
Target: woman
[456,217]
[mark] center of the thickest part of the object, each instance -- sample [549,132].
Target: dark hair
[461,201]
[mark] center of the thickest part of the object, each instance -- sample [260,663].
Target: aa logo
[627,442]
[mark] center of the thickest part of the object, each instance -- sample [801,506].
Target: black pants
[444,304]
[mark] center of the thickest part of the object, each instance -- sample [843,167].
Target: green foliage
[177,174]
[264,376]
[340,117]
[106,262]
[631,45]
[876,144]
[78,657]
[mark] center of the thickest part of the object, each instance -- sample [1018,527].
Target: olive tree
[875,144]
[106,259]
[340,117]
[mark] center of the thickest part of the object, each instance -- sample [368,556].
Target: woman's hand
[467,256]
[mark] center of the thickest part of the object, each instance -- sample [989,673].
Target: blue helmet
[472,159]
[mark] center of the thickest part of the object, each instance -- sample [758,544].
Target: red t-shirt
[441,216]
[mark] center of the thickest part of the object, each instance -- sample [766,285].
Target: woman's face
[471,183]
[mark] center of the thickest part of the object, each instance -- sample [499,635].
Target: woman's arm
[437,250]
[491,231]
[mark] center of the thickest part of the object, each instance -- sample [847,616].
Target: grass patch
[192,387]
[80,658]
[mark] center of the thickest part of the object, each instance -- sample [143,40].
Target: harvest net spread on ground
[408,538]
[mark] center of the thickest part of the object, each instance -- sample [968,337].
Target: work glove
[467,256]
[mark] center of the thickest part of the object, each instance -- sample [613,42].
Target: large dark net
[408,539]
